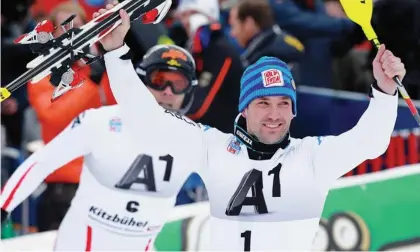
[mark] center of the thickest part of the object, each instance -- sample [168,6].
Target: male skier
[266,189]
[127,185]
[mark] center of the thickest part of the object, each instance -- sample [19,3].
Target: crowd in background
[314,37]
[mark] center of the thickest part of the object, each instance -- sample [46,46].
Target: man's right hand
[115,39]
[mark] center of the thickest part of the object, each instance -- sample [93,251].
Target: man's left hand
[385,67]
[115,39]
[9,106]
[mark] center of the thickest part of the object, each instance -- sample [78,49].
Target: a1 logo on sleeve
[78,120]
[272,77]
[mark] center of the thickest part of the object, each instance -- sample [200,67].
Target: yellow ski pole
[360,12]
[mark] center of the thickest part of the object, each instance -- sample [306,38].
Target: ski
[57,55]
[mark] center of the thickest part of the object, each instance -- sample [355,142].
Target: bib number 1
[247,240]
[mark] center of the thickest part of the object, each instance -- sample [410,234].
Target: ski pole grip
[4,94]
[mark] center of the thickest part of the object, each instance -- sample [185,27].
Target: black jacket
[273,42]
[219,71]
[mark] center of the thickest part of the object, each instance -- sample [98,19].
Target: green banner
[371,212]
[7,230]
[375,216]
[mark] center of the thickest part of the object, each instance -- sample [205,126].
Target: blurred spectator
[12,115]
[310,23]
[253,26]
[350,71]
[219,68]
[14,16]
[54,117]
[14,22]
[397,25]
[225,6]
[139,43]
[156,34]
[5,172]
[43,7]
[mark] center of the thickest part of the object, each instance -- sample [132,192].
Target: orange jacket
[54,117]
[46,6]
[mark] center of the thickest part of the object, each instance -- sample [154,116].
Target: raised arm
[129,91]
[140,111]
[71,143]
[145,117]
[333,156]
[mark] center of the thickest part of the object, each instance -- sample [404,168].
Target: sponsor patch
[272,77]
[234,146]
[115,124]
[174,55]
[243,137]
[121,223]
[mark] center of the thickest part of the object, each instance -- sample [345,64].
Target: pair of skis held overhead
[57,55]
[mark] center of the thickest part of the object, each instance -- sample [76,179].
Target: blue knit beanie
[269,76]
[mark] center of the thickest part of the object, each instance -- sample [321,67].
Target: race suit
[271,204]
[127,185]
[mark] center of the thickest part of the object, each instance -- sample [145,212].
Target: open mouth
[272,125]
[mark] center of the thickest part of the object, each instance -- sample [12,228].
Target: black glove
[4,215]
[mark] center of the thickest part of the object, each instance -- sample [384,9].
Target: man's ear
[244,113]
[251,24]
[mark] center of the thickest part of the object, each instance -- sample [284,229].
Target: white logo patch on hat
[272,77]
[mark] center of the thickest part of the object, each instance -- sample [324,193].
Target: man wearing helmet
[122,201]
[168,71]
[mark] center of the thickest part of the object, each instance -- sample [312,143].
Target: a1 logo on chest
[253,180]
[144,164]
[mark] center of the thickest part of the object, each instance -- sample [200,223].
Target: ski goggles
[160,79]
